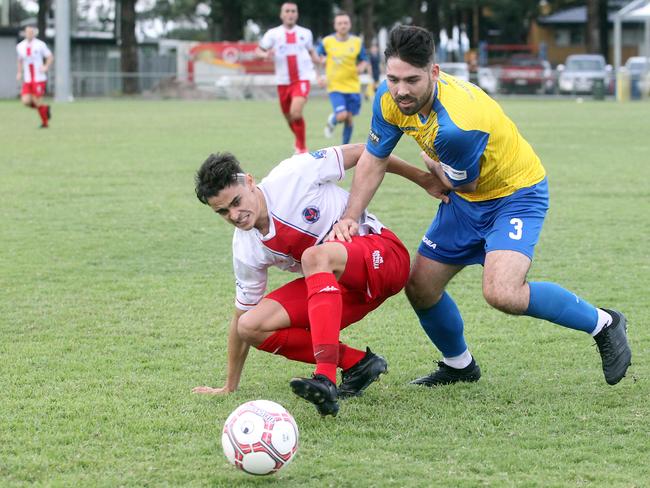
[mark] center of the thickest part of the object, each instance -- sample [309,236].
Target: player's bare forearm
[427,180]
[368,175]
[262,53]
[237,353]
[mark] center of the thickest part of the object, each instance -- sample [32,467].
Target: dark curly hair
[411,44]
[219,171]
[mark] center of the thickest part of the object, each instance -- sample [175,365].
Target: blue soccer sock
[444,326]
[551,302]
[347,133]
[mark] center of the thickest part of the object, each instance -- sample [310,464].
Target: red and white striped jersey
[292,53]
[304,202]
[32,55]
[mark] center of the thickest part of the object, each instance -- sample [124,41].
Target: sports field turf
[117,292]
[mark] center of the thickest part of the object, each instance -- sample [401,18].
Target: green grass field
[117,292]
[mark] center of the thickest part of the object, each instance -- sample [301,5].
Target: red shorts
[36,88]
[377,268]
[286,93]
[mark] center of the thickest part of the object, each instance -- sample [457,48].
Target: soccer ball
[260,437]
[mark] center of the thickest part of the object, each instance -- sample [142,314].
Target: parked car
[581,71]
[638,68]
[525,73]
[637,65]
[484,77]
[459,70]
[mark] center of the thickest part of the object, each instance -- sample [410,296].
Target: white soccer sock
[459,362]
[604,320]
[331,120]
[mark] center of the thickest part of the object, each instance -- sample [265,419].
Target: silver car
[581,71]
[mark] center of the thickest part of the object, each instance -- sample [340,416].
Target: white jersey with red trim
[304,202]
[291,53]
[32,55]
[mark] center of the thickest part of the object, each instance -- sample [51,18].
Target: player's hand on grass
[343,230]
[208,390]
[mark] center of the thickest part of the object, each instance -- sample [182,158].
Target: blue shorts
[345,102]
[463,232]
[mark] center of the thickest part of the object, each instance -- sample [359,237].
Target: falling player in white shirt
[292,49]
[283,221]
[32,71]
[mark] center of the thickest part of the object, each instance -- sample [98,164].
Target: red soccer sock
[42,111]
[298,128]
[296,344]
[324,307]
[349,356]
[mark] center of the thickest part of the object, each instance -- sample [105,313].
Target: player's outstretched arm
[428,180]
[237,353]
[19,73]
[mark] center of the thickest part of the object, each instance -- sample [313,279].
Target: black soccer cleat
[318,390]
[446,375]
[613,347]
[360,376]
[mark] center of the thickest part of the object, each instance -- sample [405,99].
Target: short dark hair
[411,44]
[219,171]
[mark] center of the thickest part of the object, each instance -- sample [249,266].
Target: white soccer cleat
[328,130]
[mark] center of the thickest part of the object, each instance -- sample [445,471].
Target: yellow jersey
[342,60]
[468,132]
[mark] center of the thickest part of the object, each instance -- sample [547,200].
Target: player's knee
[502,298]
[315,259]
[342,116]
[420,295]
[295,115]
[249,329]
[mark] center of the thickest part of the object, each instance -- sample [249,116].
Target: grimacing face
[238,204]
[411,87]
[289,14]
[342,25]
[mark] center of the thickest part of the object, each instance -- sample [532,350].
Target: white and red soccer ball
[260,437]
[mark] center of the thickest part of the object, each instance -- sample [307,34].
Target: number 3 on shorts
[519,225]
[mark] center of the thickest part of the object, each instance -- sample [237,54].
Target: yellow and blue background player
[345,57]
[495,198]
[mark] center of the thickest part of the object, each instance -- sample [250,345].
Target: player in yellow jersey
[495,197]
[344,57]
